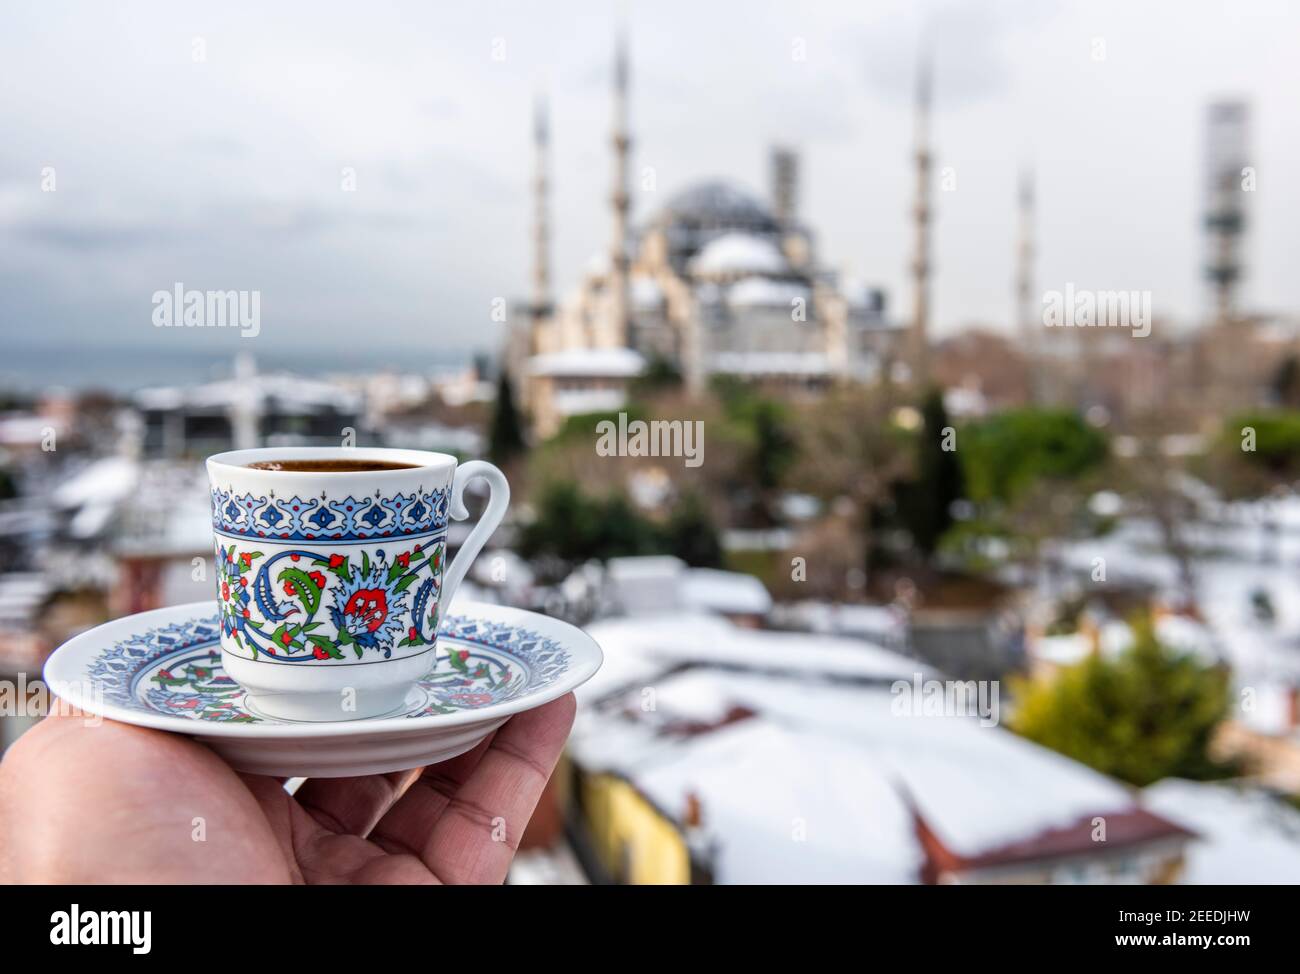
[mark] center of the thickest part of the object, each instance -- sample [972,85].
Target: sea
[34,368]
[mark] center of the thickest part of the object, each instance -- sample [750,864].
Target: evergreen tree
[1145,715]
[506,432]
[925,503]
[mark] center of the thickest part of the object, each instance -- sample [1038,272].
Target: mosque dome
[739,254]
[703,212]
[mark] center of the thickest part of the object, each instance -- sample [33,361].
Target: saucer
[162,669]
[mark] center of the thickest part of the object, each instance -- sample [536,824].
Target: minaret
[621,200]
[1028,325]
[541,224]
[918,349]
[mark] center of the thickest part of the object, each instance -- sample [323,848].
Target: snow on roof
[21,594]
[168,513]
[589,362]
[771,363]
[836,763]
[636,567]
[739,253]
[25,429]
[646,584]
[764,292]
[978,787]
[1271,709]
[710,589]
[1247,836]
[1256,649]
[1063,650]
[675,638]
[882,621]
[253,390]
[576,402]
[1177,633]
[789,806]
[105,481]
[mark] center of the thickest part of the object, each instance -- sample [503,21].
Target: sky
[206,143]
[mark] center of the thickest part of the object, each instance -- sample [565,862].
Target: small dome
[739,253]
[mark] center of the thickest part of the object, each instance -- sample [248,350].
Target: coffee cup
[332,575]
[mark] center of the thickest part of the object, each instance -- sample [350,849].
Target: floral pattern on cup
[297,605]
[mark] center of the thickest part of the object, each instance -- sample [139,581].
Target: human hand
[115,803]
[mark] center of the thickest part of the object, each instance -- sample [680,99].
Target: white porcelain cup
[331,584]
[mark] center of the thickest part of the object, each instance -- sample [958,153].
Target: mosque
[718,282]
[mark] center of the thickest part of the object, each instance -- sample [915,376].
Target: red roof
[1128,827]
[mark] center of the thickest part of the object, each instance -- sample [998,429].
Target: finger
[355,805]
[429,795]
[478,830]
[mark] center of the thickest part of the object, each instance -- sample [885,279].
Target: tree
[1147,714]
[926,502]
[1006,455]
[1028,473]
[569,527]
[690,533]
[762,428]
[1256,452]
[851,454]
[506,432]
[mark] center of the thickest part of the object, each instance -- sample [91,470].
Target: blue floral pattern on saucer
[175,670]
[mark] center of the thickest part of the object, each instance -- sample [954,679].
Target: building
[709,753]
[718,281]
[660,584]
[576,381]
[250,409]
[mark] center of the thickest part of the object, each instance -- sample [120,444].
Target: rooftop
[805,771]
[589,363]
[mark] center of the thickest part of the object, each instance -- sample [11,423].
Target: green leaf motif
[327,644]
[305,589]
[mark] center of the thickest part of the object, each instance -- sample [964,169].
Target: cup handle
[498,501]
